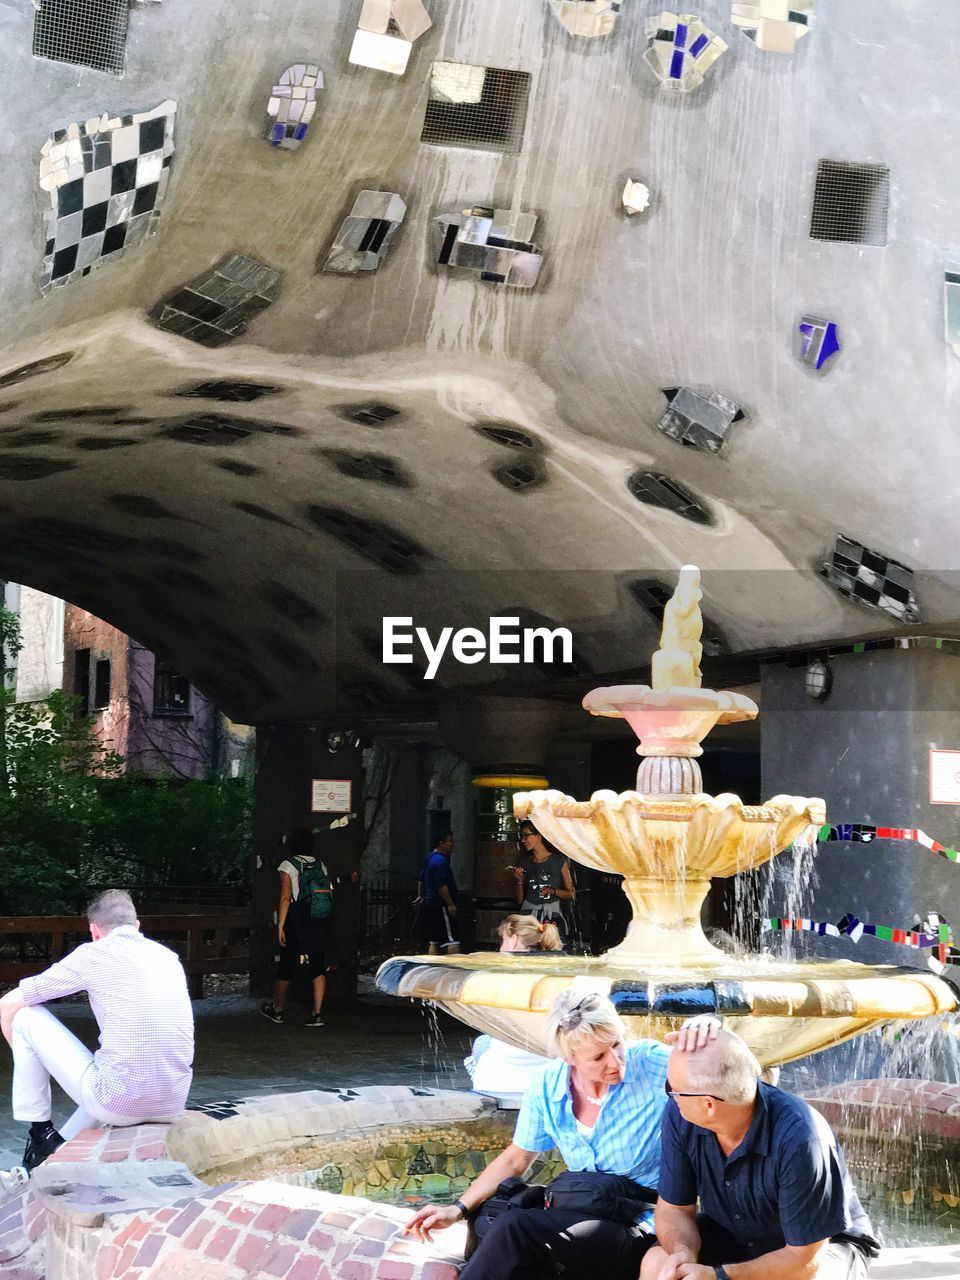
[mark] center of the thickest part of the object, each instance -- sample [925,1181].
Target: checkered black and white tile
[106,178]
[873,579]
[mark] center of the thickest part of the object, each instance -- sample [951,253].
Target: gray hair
[727,1069]
[576,1016]
[111,909]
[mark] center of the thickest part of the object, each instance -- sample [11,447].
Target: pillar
[506,742]
[290,759]
[866,748]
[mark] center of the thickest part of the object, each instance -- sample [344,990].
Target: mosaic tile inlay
[635,197]
[386,30]
[871,579]
[682,50]
[773,25]
[364,236]
[819,342]
[495,244]
[106,178]
[699,421]
[293,100]
[217,306]
[589,18]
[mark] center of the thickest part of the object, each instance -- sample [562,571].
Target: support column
[289,759]
[866,749]
[505,741]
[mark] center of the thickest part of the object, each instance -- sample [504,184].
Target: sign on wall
[944,776]
[332,795]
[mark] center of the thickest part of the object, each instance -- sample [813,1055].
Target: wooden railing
[215,941]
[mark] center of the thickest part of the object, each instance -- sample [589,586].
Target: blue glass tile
[830,345]
[676,65]
[680,39]
[698,46]
[300,132]
[276,134]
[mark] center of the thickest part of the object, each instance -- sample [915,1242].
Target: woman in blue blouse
[601,1106]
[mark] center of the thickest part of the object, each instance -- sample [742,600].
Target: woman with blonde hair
[526,933]
[495,1067]
[600,1104]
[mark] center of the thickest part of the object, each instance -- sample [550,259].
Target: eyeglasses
[675,1093]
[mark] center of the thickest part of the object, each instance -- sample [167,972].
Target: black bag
[611,1196]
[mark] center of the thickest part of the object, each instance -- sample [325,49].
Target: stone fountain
[669,840]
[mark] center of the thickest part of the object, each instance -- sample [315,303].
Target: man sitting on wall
[144,1065]
[776,1199]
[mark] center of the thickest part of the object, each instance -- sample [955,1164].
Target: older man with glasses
[776,1200]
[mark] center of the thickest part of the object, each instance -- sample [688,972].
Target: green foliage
[70,818]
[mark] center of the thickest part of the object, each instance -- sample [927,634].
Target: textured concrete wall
[865,749]
[705,288]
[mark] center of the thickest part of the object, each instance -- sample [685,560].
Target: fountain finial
[676,664]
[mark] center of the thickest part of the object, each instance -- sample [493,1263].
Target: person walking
[138,993]
[304,925]
[438,891]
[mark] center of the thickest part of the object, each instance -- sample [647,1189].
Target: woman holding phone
[543,880]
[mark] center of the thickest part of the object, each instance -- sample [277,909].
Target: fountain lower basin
[783,1009]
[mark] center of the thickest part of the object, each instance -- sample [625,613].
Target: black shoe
[41,1144]
[314,1021]
[272,1012]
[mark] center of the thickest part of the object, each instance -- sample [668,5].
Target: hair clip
[540,926]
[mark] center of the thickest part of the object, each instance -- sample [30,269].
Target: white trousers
[43,1047]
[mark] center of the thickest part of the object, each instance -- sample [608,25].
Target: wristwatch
[465,1213]
[720,1271]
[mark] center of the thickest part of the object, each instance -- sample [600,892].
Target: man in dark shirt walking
[438,890]
[776,1200]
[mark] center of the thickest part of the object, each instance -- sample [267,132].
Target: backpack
[314,889]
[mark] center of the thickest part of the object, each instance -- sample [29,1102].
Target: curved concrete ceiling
[239,556]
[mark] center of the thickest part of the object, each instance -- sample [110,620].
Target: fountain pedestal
[665,923]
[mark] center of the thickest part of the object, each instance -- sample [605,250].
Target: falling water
[438,1063]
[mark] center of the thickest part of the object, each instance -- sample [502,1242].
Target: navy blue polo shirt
[437,871]
[786,1183]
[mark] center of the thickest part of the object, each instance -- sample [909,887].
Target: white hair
[727,1069]
[576,1016]
[111,909]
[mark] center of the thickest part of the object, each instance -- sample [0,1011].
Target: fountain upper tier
[667,848]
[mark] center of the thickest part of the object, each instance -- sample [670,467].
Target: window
[101,684]
[520,475]
[484,108]
[660,491]
[81,679]
[851,202]
[510,437]
[217,306]
[369,466]
[92,33]
[371,415]
[171,691]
